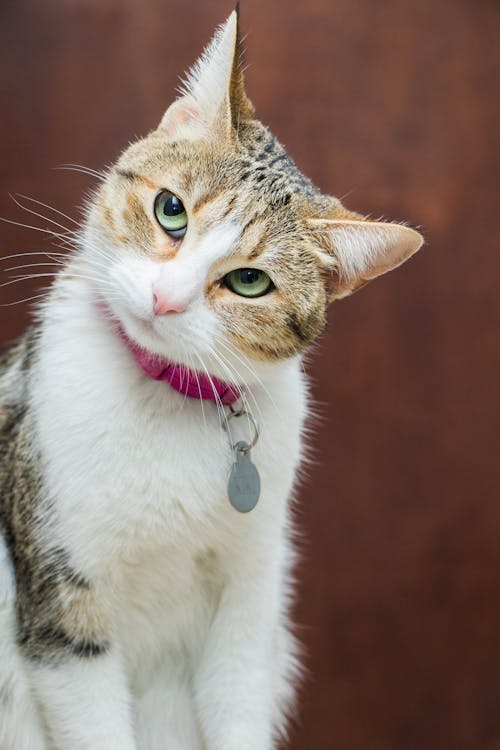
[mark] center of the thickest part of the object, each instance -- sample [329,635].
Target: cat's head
[211,243]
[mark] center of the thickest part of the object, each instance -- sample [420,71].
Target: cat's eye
[248,282]
[171,214]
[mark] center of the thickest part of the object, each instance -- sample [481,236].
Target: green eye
[171,214]
[248,282]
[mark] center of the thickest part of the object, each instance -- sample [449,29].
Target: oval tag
[244,483]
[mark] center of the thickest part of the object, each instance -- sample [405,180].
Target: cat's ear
[213,100]
[357,251]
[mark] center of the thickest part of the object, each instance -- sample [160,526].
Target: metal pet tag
[244,481]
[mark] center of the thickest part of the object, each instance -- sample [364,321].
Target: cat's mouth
[188,382]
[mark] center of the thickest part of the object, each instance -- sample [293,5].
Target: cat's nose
[163,305]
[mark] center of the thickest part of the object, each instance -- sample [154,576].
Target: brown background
[396,101]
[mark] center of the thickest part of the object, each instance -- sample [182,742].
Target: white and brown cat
[139,609]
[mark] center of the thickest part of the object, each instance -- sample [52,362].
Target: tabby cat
[151,425]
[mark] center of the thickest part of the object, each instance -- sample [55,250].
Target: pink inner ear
[187,111]
[178,114]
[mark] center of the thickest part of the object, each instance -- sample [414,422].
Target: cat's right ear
[213,99]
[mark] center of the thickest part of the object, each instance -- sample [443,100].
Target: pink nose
[162,305]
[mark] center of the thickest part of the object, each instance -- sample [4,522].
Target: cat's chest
[144,481]
[145,477]
[130,464]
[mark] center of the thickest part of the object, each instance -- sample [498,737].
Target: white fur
[206,88]
[201,656]
[207,81]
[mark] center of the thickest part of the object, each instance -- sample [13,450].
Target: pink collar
[181,378]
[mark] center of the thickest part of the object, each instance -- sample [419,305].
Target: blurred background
[395,105]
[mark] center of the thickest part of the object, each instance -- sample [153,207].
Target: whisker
[47,254]
[79,166]
[218,402]
[22,301]
[32,265]
[231,373]
[242,391]
[246,364]
[36,213]
[199,391]
[184,370]
[30,226]
[82,169]
[18,279]
[27,277]
[232,367]
[51,208]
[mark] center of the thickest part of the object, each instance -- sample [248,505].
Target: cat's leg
[75,670]
[238,692]
[20,725]
[84,701]
[165,716]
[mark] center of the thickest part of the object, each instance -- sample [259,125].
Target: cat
[151,429]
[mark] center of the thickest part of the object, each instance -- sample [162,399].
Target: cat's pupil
[173,206]
[249,275]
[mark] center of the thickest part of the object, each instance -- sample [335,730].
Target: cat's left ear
[357,251]
[213,100]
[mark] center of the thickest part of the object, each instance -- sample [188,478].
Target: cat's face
[212,248]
